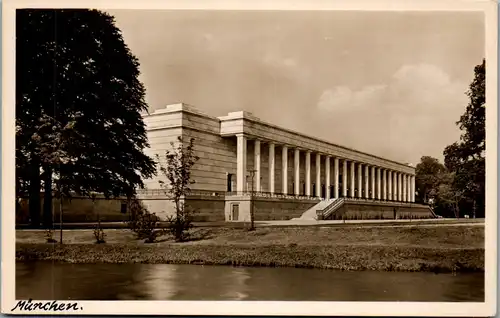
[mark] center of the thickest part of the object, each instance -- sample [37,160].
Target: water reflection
[46,280]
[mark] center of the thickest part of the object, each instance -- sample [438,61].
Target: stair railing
[332,208]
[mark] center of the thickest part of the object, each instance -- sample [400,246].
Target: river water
[61,281]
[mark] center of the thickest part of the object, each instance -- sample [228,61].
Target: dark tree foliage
[434,184]
[73,68]
[466,158]
[429,174]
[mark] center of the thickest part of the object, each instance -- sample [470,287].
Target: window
[229,187]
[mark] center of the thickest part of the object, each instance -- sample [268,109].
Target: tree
[53,149]
[447,198]
[177,171]
[466,158]
[74,67]
[429,174]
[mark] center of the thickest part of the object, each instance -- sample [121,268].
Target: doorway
[235,212]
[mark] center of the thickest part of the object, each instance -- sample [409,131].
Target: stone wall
[207,209]
[204,208]
[267,209]
[364,211]
[281,209]
[80,210]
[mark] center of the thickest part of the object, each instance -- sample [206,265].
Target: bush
[49,236]
[99,235]
[143,223]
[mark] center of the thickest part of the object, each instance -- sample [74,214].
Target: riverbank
[286,223]
[418,248]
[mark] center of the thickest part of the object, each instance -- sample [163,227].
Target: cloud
[420,102]
[342,97]
[287,67]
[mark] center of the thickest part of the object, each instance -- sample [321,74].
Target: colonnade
[373,182]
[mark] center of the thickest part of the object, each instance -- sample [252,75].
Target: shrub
[99,235]
[49,236]
[143,223]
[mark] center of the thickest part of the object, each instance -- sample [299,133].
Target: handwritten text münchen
[46,306]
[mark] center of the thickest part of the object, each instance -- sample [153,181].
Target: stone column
[336,178]
[367,187]
[296,174]
[284,172]
[395,186]
[271,167]
[308,173]
[405,188]
[384,184]
[256,163]
[344,178]
[352,183]
[400,192]
[373,182]
[389,185]
[327,177]
[413,189]
[318,175]
[378,185]
[408,188]
[360,180]
[241,162]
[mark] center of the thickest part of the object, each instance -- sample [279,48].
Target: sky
[388,83]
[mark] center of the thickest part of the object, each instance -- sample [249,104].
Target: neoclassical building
[246,163]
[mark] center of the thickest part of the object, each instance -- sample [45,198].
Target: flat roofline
[254,119]
[238,115]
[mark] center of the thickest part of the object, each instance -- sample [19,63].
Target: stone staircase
[332,208]
[327,207]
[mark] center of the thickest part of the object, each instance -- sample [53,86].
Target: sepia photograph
[221,155]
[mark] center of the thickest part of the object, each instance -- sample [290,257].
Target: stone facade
[286,171]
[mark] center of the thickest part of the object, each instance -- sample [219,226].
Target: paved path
[326,223]
[377,223]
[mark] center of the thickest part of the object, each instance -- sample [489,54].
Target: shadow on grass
[199,235]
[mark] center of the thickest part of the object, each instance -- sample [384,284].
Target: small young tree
[177,171]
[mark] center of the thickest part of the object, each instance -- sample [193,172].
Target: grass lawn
[419,248]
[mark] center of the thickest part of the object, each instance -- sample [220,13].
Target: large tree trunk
[47,198]
[34,193]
